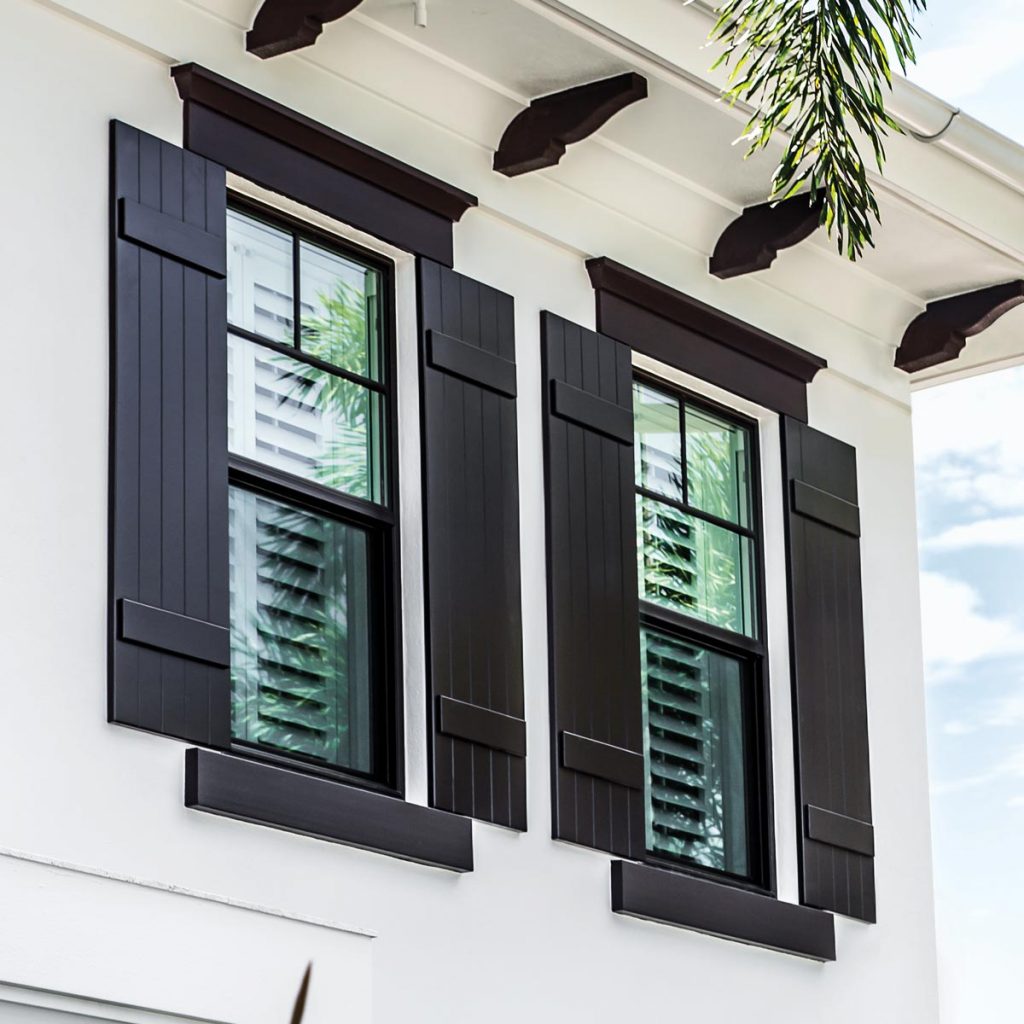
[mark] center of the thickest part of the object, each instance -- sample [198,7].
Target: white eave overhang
[656,186]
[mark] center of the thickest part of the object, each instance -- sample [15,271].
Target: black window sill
[639,890]
[264,795]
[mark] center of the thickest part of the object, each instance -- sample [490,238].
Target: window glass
[694,748]
[310,667]
[260,278]
[339,309]
[304,420]
[657,440]
[300,637]
[694,567]
[717,473]
[697,561]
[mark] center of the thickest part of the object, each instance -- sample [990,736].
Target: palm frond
[819,71]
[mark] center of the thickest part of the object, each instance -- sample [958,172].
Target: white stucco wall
[116,899]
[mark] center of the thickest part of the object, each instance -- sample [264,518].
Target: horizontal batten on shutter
[593,413]
[826,508]
[476,724]
[840,830]
[174,633]
[454,356]
[603,761]
[172,237]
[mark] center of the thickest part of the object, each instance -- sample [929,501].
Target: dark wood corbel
[939,333]
[537,136]
[753,240]
[284,25]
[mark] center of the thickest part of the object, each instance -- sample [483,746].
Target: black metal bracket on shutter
[471,525]
[480,725]
[591,412]
[603,761]
[169,636]
[593,608]
[826,508]
[176,634]
[836,836]
[171,237]
[840,831]
[471,364]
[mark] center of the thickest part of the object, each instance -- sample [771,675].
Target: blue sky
[972,55]
[970,463]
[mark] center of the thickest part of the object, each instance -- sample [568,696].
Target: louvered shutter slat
[597,740]
[168,668]
[829,678]
[474,618]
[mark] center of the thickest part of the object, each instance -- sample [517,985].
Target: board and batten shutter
[471,509]
[169,627]
[829,684]
[593,609]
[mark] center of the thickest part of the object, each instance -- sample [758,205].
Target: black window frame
[380,522]
[751,652]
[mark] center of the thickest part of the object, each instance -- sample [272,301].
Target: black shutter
[169,635]
[593,612]
[471,499]
[829,692]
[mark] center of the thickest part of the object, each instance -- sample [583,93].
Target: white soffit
[950,218]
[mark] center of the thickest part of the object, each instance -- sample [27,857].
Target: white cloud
[998,532]
[1011,767]
[974,53]
[956,632]
[971,419]
[1006,712]
[1015,801]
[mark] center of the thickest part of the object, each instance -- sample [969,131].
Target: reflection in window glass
[657,440]
[304,421]
[300,633]
[694,720]
[260,280]
[339,308]
[695,568]
[717,473]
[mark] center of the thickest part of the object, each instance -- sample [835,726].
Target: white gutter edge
[967,138]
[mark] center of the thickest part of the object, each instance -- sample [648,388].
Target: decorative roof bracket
[753,240]
[537,136]
[285,25]
[939,333]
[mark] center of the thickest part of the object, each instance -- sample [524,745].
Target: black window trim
[751,651]
[379,521]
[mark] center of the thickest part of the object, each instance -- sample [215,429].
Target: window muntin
[304,420]
[310,439]
[322,416]
[697,550]
[698,563]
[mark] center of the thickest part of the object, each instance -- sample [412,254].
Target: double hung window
[701,632]
[311,501]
